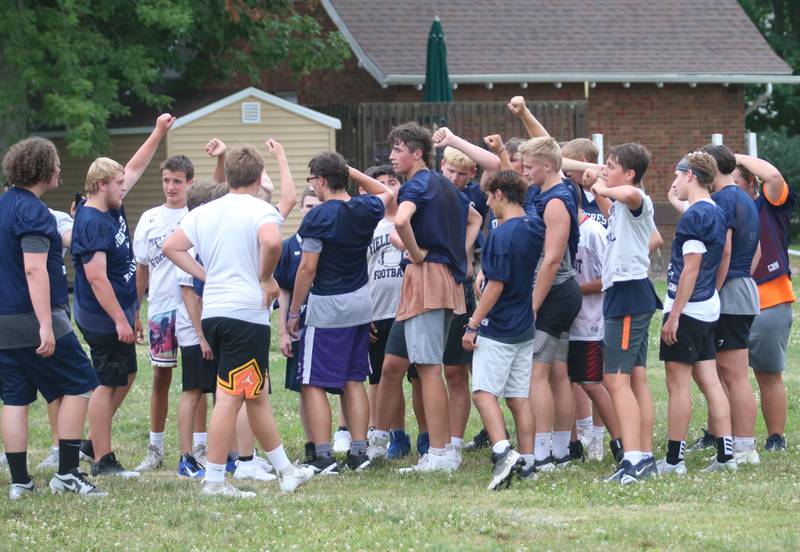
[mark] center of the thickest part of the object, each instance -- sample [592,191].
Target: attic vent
[251,113]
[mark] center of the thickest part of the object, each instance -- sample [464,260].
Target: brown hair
[510,183]
[581,148]
[633,157]
[415,137]
[333,167]
[179,163]
[308,192]
[704,168]
[29,162]
[243,166]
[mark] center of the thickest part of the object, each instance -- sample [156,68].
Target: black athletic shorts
[112,359]
[559,308]
[377,349]
[197,372]
[396,346]
[454,353]
[695,342]
[732,332]
[585,361]
[242,352]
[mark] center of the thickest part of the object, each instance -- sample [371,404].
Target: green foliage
[77,63]
[783,150]
[779,22]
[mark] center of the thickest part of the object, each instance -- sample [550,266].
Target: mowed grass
[756,507]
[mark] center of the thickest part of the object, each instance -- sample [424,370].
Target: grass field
[756,507]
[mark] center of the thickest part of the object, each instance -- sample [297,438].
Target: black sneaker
[324,465]
[708,440]
[563,462]
[527,472]
[775,443]
[481,440]
[504,466]
[87,451]
[576,451]
[617,451]
[546,465]
[646,467]
[650,467]
[108,465]
[357,462]
[621,468]
[311,453]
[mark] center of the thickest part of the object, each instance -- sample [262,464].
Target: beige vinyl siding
[301,139]
[146,194]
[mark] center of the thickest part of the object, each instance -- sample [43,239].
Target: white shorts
[502,369]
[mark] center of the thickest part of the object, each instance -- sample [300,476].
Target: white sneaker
[17,491]
[370,433]
[665,467]
[341,442]
[225,489]
[455,454]
[200,453]
[747,457]
[153,459]
[252,470]
[585,436]
[377,449]
[51,461]
[74,482]
[294,476]
[597,449]
[264,463]
[432,463]
[720,466]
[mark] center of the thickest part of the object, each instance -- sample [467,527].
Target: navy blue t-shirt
[286,270]
[23,214]
[703,221]
[567,193]
[774,223]
[591,208]
[107,232]
[478,198]
[510,256]
[345,229]
[741,217]
[440,221]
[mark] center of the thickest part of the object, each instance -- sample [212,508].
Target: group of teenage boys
[381,283]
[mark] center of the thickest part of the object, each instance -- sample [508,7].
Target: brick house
[667,74]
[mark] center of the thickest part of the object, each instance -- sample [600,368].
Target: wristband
[293,315]
[469,330]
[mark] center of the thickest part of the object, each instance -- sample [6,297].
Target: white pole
[716,139]
[597,138]
[752,144]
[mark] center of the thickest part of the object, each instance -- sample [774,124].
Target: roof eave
[698,78]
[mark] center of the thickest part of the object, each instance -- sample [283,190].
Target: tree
[74,64]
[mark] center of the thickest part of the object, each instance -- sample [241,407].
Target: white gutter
[758,102]
[704,78]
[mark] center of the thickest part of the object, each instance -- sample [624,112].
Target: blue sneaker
[423,444]
[230,464]
[189,467]
[399,444]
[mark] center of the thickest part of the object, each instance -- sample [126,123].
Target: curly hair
[510,183]
[29,162]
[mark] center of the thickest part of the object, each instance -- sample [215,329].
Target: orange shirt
[429,286]
[776,292]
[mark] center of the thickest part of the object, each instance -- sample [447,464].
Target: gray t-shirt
[739,296]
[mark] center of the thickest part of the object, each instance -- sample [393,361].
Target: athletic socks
[633,456]
[246,458]
[744,444]
[18,466]
[647,454]
[68,455]
[278,459]
[324,449]
[584,423]
[541,445]
[599,431]
[675,451]
[724,449]
[157,439]
[233,455]
[215,473]
[529,459]
[199,438]
[500,446]
[358,447]
[616,447]
[457,442]
[561,444]
[381,437]
[437,451]
[87,448]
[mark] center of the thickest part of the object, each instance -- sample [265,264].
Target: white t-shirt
[184,330]
[627,255]
[385,274]
[64,224]
[154,227]
[224,234]
[588,325]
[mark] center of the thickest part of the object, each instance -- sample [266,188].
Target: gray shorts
[548,349]
[426,334]
[769,336]
[502,369]
[625,339]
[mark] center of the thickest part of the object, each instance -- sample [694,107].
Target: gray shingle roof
[545,40]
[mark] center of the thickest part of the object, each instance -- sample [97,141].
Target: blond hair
[544,148]
[580,148]
[243,166]
[101,170]
[458,159]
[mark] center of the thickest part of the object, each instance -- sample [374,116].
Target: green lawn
[754,507]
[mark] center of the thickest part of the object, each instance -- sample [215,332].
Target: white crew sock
[500,446]
[561,443]
[278,459]
[380,436]
[457,442]
[215,473]
[199,438]
[437,451]
[599,431]
[584,423]
[541,447]
[633,456]
[157,439]
[744,444]
[529,459]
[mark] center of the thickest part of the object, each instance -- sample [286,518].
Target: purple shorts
[330,357]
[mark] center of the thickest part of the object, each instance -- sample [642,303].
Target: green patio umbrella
[437,80]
